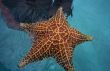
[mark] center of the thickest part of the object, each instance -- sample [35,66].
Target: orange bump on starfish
[53,38]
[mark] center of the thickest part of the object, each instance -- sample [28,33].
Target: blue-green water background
[91,17]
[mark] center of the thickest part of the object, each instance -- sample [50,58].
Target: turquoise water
[91,17]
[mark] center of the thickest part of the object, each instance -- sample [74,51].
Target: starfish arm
[58,18]
[25,26]
[32,27]
[39,51]
[64,57]
[60,13]
[78,37]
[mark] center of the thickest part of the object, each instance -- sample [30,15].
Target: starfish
[53,38]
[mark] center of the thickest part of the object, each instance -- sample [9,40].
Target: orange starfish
[53,38]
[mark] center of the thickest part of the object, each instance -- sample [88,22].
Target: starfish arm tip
[21,24]
[89,38]
[22,63]
[60,8]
